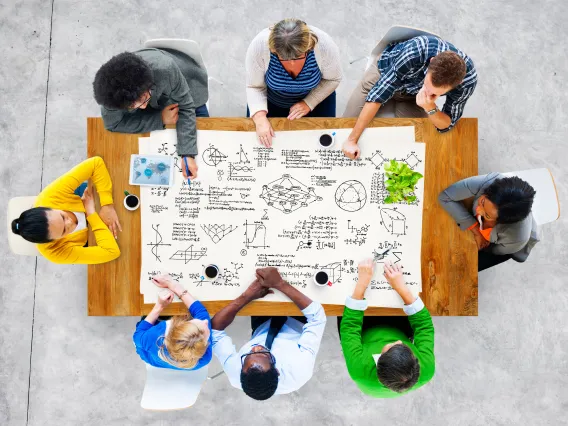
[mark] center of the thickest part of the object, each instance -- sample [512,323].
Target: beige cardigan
[258,58]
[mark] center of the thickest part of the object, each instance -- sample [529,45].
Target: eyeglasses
[143,103]
[293,59]
[272,359]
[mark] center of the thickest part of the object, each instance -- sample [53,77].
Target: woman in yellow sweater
[58,221]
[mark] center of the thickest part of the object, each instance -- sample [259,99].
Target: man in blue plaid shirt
[409,77]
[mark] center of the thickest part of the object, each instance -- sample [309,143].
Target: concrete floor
[58,366]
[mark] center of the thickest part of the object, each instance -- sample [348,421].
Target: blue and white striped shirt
[403,67]
[282,89]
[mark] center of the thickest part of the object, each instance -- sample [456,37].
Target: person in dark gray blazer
[500,218]
[150,88]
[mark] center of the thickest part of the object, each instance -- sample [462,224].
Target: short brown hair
[447,69]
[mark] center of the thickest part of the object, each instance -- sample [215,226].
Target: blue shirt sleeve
[198,311]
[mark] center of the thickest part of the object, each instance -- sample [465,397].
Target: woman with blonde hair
[182,343]
[292,71]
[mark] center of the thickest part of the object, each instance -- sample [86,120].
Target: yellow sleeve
[105,250]
[93,168]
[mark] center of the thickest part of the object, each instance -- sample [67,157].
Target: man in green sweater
[387,356]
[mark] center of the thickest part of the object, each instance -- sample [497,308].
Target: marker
[187,171]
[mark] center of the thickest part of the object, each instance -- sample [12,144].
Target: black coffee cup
[326,140]
[131,202]
[321,278]
[211,272]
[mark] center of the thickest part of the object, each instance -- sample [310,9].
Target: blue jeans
[325,108]
[201,111]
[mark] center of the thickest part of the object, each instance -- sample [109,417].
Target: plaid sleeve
[454,105]
[384,89]
[403,64]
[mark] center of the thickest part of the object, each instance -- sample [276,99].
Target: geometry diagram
[218,232]
[288,194]
[393,221]
[255,235]
[212,156]
[158,243]
[412,160]
[381,256]
[243,158]
[189,254]
[351,196]
[333,271]
[378,160]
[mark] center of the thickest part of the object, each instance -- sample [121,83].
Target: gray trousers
[399,106]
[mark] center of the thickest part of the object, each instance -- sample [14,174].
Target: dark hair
[513,198]
[259,384]
[122,81]
[398,369]
[447,69]
[32,225]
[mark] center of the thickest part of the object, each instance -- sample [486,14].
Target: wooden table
[449,256]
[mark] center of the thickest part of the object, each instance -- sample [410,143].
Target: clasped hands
[266,280]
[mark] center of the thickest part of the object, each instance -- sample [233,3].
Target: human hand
[165,298]
[366,269]
[481,242]
[191,165]
[351,149]
[427,103]
[256,291]
[163,281]
[264,129]
[170,114]
[270,277]
[298,110]
[393,274]
[88,201]
[109,217]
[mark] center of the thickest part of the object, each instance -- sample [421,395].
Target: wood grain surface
[449,256]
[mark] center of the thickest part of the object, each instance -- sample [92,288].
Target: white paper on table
[234,214]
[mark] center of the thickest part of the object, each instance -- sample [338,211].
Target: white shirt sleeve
[255,64]
[228,356]
[355,304]
[414,307]
[329,61]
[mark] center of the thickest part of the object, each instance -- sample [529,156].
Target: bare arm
[226,316]
[271,278]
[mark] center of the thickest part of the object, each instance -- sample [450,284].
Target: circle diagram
[212,156]
[351,196]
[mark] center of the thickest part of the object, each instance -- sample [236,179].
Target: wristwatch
[433,111]
[182,294]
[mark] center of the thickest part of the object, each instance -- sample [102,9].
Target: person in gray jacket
[150,88]
[500,218]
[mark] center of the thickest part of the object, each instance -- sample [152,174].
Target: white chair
[546,206]
[396,33]
[168,389]
[16,243]
[187,47]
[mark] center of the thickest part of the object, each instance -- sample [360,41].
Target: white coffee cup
[326,140]
[321,278]
[131,197]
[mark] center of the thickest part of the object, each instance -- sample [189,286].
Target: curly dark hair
[398,369]
[122,81]
[447,69]
[513,197]
[259,384]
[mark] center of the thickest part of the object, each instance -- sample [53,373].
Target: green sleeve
[351,343]
[421,323]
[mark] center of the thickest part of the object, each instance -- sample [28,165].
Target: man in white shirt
[281,355]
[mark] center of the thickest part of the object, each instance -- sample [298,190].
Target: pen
[187,171]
